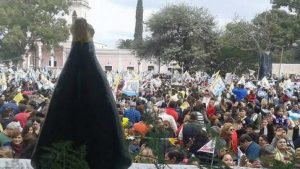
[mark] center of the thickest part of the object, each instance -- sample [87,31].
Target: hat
[14,125]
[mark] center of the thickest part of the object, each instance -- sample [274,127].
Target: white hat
[14,125]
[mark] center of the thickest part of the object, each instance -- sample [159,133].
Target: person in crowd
[263,140]
[166,117]
[11,103]
[267,130]
[227,118]
[240,92]
[281,132]
[7,117]
[206,97]
[191,129]
[280,119]
[283,152]
[267,156]
[174,157]
[249,147]
[201,112]
[245,120]
[36,126]
[132,114]
[140,128]
[16,143]
[6,152]
[22,117]
[7,134]
[228,139]
[171,110]
[134,145]
[211,109]
[146,155]
[228,161]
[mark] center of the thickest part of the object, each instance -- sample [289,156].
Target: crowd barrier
[7,163]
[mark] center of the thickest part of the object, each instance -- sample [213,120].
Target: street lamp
[139,63]
[280,66]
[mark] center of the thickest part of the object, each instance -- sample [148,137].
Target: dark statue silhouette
[83,110]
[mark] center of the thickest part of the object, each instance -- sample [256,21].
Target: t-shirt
[4,139]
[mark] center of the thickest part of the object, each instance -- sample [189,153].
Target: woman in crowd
[228,138]
[263,140]
[16,143]
[283,152]
[227,160]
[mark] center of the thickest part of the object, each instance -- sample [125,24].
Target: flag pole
[213,154]
[212,159]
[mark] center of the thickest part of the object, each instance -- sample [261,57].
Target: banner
[217,86]
[131,88]
[242,81]
[208,147]
[265,83]
[250,85]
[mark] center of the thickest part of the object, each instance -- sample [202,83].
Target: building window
[52,62]
[150,68]
[130,68]
[108,68]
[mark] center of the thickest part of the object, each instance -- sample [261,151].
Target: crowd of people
[172,123]
[249,127]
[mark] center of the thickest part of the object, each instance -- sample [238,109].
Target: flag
[131,88]
[173,141]
[242,80]
[208,147]
[240,153]
[250,85]
[217,86]
[265,83]
[18,97]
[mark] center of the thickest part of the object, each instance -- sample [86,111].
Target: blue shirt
[239,93]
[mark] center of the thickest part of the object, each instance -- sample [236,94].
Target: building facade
[109,59]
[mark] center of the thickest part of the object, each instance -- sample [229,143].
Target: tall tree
[125,44]
[138,34]
[23,22]
[181,33]
[292,5]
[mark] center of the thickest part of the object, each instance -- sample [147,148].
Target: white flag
[208,147]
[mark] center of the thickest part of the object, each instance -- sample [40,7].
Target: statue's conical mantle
[82,108]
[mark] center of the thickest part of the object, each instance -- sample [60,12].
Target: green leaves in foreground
[64,155]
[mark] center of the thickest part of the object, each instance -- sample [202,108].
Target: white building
[109,59]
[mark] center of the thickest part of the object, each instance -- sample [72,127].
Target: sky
[115,19]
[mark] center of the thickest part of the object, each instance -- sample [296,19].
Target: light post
[280,65]
[139,64]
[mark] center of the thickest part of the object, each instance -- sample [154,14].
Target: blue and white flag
[131,88]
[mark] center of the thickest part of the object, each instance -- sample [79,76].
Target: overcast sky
[115,19]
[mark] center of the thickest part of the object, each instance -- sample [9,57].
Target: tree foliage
[292,5]
[39,18]
[125,44]
[243,42]
[180,33]
[138,34]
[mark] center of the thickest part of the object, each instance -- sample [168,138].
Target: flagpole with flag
[209,147]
